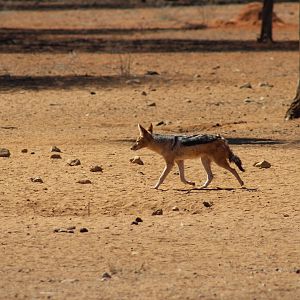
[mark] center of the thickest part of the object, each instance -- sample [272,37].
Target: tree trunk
[266,25]
[294,110]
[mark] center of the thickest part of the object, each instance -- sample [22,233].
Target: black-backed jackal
[177,148]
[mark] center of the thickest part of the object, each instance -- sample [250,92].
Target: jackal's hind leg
[180,164]
[224,164]
[166,171]
[206,162]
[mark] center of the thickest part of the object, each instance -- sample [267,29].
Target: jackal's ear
[150,128]
[143,131]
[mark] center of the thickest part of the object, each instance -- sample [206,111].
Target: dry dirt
[58,89]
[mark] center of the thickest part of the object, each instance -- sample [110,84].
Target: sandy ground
[245,246]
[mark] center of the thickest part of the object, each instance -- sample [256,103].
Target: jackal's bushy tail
[236,160]
[232,157]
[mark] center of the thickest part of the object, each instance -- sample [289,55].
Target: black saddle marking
[199,139]
[174,142]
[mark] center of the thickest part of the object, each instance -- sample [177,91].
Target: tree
[266,34]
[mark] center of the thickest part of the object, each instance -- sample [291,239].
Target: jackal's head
[144,139]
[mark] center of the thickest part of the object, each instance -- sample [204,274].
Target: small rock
[59,230]
[96,169]
[160,123]
[144,93]
[136,160]
[106,276]
[151,73]
[24,150]
[93,93]
[55,149]
[297,271]
[83,229]
[73,162]
[197,76]
[157,212]
[175,208]
[248,100]
[262,164]
[63,230]
[4,152]
[55,156]
[37,179]
[133,81]
[71,228]
[138,219]
[207,204]
[246,86]
[265,84]
[151,104]
[84,181]
[286,215]
[134,223]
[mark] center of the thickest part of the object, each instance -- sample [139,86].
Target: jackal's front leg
[180,164]
[166,171]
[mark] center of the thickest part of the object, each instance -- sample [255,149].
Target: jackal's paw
[203,186]
[191,183]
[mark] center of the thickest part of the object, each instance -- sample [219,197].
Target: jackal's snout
[134,147]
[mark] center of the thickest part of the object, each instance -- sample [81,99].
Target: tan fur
[216,151]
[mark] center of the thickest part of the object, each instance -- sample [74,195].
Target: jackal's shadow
[195,189]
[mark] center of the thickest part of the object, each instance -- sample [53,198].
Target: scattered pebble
[175,208]
[93,93]
[84,181]
[136,160]
[144,93]
[262,164]
[55,149]
[134,81]
[55,156]
[160,123]
[151,73]
[138,219]
[4,152]
[37,179]
[63,230]
[73,162]
[71,228]
[246,85]
[134,223]
[248,100]
[207,204]
[83,229]
[151,104]
[157,212]
[24,150]
[96,168]
[106,276]
[265,84]
[197,76]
